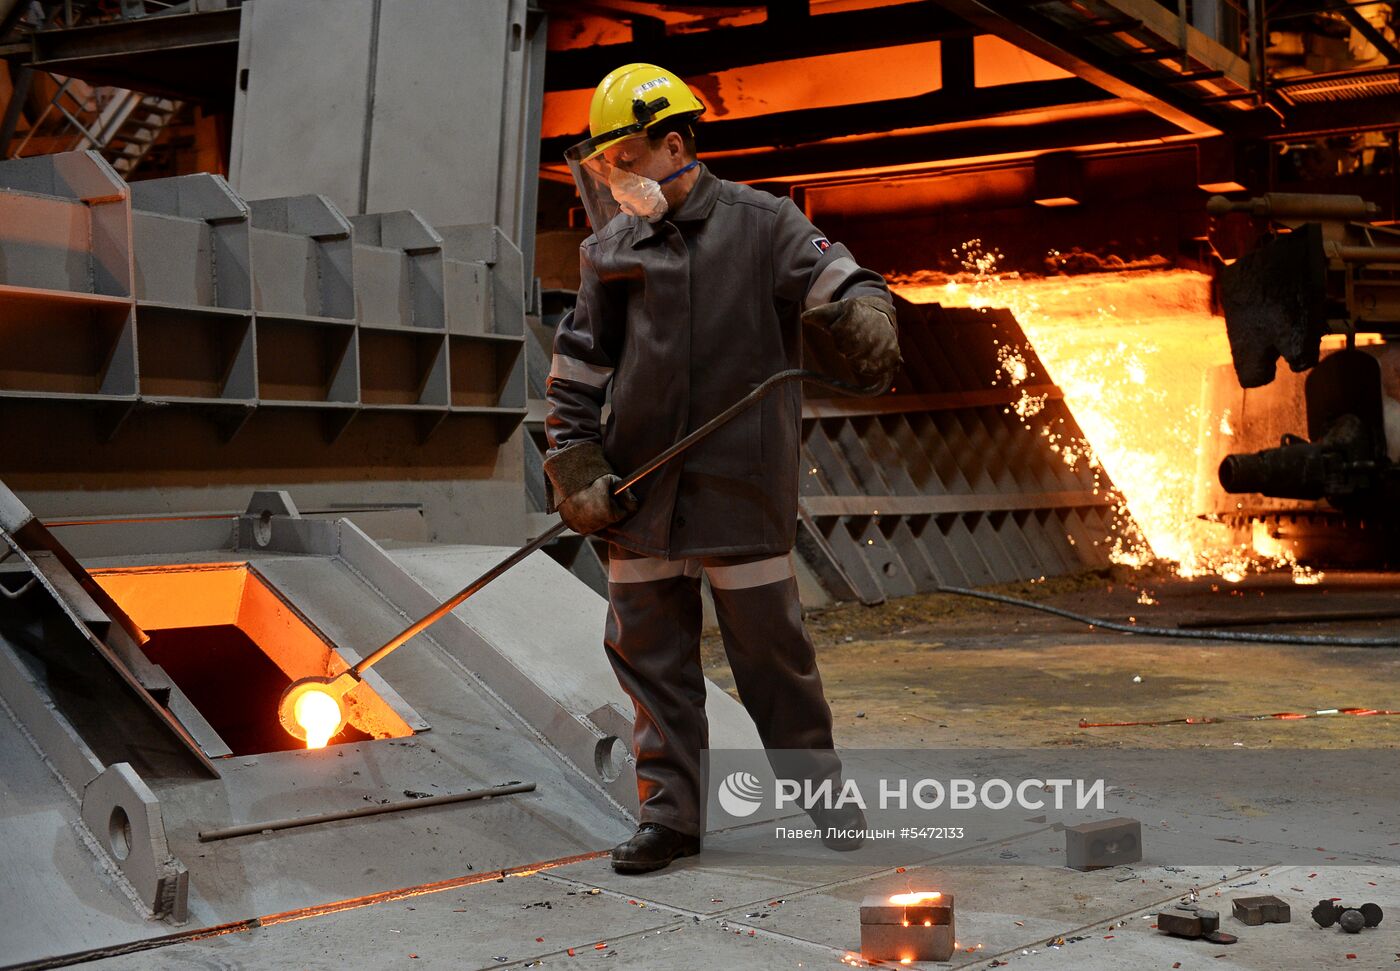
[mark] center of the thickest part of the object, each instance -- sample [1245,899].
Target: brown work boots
[652,847]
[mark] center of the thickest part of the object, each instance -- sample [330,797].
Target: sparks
[1306,576]
[1130,369]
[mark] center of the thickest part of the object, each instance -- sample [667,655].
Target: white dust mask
[639,196]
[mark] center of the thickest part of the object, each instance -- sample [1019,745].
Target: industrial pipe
[1346,466]
[1176,632]
[1296,470]
[1296,205]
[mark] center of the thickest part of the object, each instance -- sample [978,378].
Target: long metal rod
[1274,716]
[300,913]
[211,835]
[757,394]
[455,601]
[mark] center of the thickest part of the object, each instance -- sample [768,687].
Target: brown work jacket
[682,318]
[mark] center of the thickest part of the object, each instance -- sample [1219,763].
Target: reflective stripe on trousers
[653,644]
[726,573]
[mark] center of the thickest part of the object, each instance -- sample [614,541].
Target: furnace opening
[201,659]
[232,645]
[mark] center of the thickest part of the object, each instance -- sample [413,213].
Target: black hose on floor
[1191,635]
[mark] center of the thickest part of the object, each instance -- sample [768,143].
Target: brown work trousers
[653,643]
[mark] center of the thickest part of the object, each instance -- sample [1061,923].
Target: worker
[691,289]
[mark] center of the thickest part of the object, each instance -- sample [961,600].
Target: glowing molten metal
[914,898]
[1129,350]
[319,715]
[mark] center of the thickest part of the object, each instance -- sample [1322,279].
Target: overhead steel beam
[1020,24]
[117,37]
[782,39]
[188,56]
[1365,28]
[1328,118]
[942,107]
[941,146]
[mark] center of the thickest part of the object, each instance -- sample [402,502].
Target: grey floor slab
[687,947]
[42,859]
[692,885]
[468,927]
[1132,943]
[1008,914]
[997,908]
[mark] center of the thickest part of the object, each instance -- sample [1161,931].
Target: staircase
[121,124]
[133,123]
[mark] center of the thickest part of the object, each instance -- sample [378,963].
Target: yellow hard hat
[633,98]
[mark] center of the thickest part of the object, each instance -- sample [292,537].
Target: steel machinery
[1309,458]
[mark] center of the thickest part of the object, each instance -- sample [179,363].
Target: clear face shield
[607,185]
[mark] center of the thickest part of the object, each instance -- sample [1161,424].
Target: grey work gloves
[584,478]
[865,334]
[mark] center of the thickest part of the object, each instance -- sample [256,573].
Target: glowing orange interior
[232,645]
[915,897]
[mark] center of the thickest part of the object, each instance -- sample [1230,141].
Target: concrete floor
[936,672]
[940,671]
[694,915]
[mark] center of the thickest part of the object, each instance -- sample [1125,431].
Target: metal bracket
[124,816]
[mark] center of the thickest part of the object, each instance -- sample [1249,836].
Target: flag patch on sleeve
[822,244]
